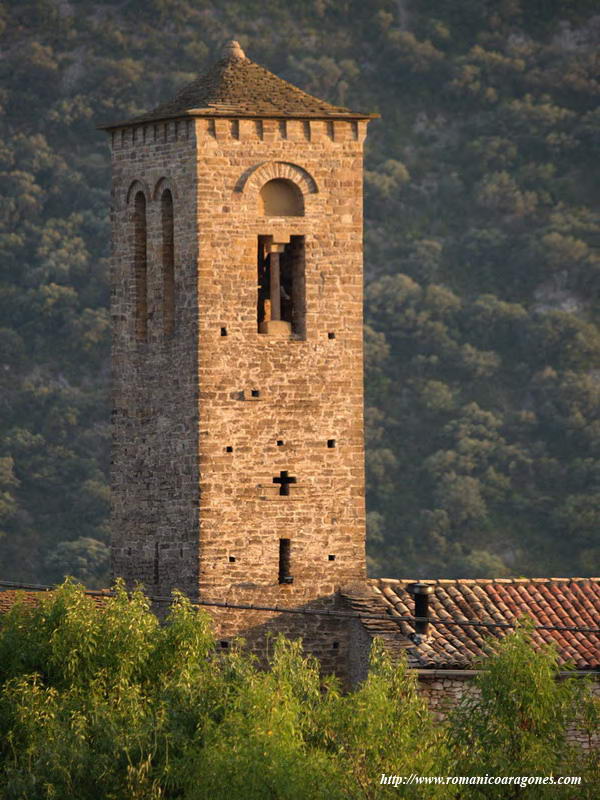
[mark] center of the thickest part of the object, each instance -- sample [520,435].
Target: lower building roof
[552,602]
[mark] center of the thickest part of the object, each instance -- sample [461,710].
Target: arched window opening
[140,268]
[281,198]
[281,299]
[168,256]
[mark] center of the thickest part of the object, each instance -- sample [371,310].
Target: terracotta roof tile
[572,602]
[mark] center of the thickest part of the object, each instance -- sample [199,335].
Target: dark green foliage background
[482,271]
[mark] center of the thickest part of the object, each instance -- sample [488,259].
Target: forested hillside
[482,269]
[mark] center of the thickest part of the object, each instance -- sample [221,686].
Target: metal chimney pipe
[421,592]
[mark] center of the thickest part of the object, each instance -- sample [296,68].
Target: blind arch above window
[281,197]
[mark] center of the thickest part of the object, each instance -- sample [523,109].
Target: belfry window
[140,267]
[281,198]
[281,286]
[168,258]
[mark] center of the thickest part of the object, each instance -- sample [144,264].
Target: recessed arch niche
[280,197]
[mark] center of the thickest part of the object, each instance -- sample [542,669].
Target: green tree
[516,720]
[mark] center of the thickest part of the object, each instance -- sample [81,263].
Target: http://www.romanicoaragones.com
[480,780]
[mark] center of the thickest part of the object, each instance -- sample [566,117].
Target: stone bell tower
[237,358]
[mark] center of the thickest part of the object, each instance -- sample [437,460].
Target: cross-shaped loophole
[284,480]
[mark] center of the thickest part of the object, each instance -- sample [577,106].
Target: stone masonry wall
[195,450]
[155,383]
[310,389]
[443,694]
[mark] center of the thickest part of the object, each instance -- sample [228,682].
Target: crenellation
[296,130]
[269,130]
[247,129]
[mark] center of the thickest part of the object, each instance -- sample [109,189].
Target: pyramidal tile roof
[561,602]
[236,86]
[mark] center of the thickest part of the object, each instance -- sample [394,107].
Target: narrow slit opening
[168,245]
[140,268]
[285,561]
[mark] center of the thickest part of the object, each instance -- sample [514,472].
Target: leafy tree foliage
[481,263]
[105,702]
[517,722]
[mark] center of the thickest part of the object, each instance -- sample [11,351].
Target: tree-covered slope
[481,262]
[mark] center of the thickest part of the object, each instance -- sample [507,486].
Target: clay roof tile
[570,602]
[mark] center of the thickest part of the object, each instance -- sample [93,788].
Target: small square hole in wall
[255,393]
[232,559]
[331,557]
[229,449]
[224,644]
[223,331]
[280,442]
[336,645]
[331,335]
[330,442]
